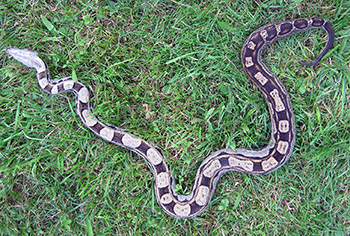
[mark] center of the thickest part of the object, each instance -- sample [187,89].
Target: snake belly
[262,161]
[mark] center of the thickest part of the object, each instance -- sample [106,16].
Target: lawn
[170,72]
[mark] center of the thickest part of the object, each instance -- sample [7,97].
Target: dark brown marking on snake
[48,88]
[317,22]
[301,24]
[284,136]
[282,115]
[117,137]
[170,207]
[81,106]
[77,86]
[42,75]
[161,167]
[258,40]
[60,88]
[205,181]
[97,127]
[272,32]
[285,28]
[257,166]
[163,191]
[278,156]
[195,207]
[224,161]
[143,148]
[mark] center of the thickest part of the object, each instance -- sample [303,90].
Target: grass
[170,72]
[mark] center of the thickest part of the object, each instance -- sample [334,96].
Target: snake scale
[214,166]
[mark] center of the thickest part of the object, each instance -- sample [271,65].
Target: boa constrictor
[263,161]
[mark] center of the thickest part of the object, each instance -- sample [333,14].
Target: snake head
[27,57]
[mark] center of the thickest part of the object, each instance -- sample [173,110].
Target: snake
[268,159]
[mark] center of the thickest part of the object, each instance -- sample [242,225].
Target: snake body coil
[251,162]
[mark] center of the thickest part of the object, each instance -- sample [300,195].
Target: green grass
[169,72]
